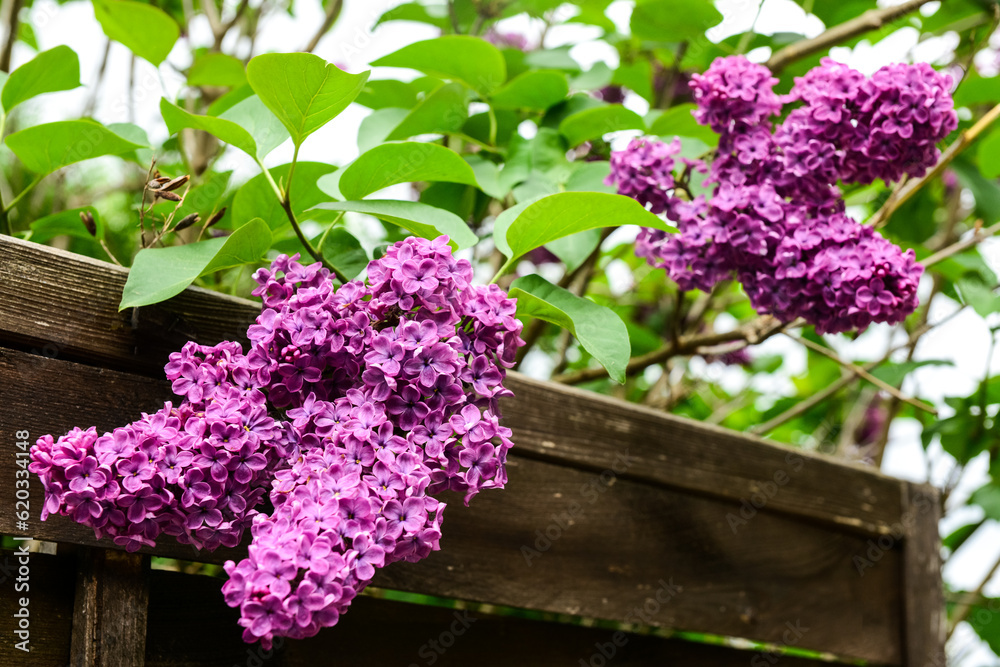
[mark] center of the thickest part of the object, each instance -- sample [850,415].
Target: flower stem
[15,200]
[284,198]
[507,266]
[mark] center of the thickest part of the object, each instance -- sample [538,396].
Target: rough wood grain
[924,595]
[64,305]
[563,424]
[183,633]
[569,540]
[50,596]
[110,609]
[382,632]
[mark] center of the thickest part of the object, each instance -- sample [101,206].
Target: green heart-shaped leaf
[423,220]
[471,60]
[600,330]
[304,91]
[51,146]
[48,72]
[160,273]
[146,30]
[403,162]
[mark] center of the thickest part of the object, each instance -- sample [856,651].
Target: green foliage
[599,330]
[678,122]
[444,110]
[160,273]
[302,90]
[178,119]
[217,69]
[146,30]
[469,60]
[506,152]
[50,71]
[51,146]
[594,123]
[343,251]
[673,20]
[562,214]
[256,198]
[419,219]
[536,90]
[403,162]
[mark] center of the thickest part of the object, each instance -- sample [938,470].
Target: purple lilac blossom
[195,470]
[388,392]
[776,219]
[507,40]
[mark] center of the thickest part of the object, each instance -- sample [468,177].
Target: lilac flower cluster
[194,471]
[383,394]
[884,127]
[507,40]
[776,219]
[645,172]
[400,404]
[734,92]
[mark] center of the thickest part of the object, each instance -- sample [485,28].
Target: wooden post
[923,627]
[110,609]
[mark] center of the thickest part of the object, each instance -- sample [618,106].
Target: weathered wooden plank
[64,305]
[924,596]
[49,595]
[382,632]
[110,609]
[559,423]
[567,540]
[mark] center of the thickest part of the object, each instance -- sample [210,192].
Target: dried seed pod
[157,183]
[216,217]
[186,222]
[173,184]
[88,221]
[169,196]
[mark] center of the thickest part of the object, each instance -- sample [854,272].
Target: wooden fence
[612,512]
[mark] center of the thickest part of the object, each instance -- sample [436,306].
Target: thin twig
[893,408]
[962,611]
[13,22]
[92,100]
[666,97]
[850,375]
[906,190]
[960,246]
[142,204]
[881,384]
[108,251]
[212,14]
[285,199]
[453,16]
[873,19]
[332,12]
[242,7]
[754,332]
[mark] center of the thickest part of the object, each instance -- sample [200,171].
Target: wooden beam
[553,422]
[50,583]
[109,612]
[924,618]
[564,538]
[383,632]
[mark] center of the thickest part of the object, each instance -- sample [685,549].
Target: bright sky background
[352,44]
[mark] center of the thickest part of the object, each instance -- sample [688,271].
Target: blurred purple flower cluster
[776,219]
[382,394]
